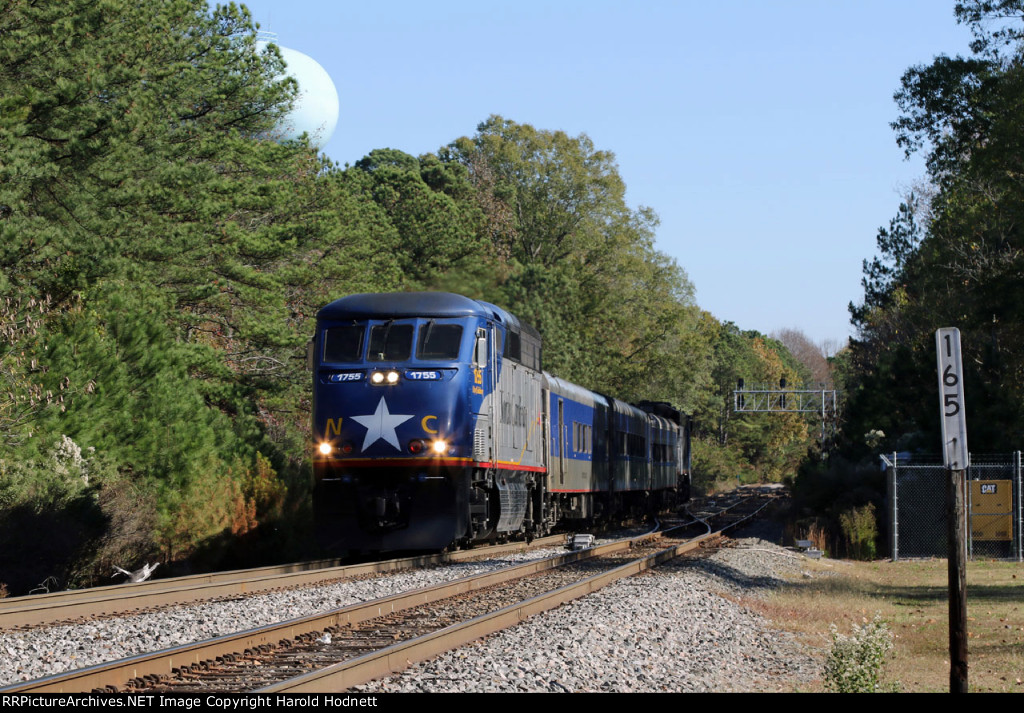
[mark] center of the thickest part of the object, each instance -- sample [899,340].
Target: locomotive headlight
[325,448]
[384,377]
[439,447]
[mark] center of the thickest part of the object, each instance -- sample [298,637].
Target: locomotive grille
[512,497]
[480,445]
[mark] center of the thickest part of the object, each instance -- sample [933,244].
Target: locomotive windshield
[390,342]
[344,344]
[393,342]
[439,341]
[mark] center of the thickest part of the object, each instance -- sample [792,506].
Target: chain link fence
[916,506]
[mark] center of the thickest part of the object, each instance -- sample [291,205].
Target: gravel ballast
[677,628]
[34,653]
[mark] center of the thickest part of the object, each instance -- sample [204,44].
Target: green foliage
[109,125]
[162,261]
[855,663]
[175,244]
[897,246]
[436,229]
[842,498]
[566,197]
[23,398]
[65,477]
[746,447]
[954,254]
[860,531]
[576,262]
[719,466]
[55,492]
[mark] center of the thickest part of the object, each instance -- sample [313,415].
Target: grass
[912,597]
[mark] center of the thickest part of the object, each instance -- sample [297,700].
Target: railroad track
[358,643]
[731,510]
[372,639]
[73,605]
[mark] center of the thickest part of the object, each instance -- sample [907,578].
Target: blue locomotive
[434,425]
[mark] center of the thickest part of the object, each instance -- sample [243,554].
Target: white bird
[139,575]
[326,638]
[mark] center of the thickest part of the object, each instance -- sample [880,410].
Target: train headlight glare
[439,447]
[377,377]
[325,448]
[392,377]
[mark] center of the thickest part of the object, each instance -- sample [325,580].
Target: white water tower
[315,112]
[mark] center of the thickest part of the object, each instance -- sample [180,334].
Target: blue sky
[757,130]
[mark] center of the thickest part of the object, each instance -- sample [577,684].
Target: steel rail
[398,657]
[114,675]
[34,610]
[724,511]
[749,515]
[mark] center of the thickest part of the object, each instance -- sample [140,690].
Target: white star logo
[381,424]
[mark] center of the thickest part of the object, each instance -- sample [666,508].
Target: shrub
[855,662]
[860,531]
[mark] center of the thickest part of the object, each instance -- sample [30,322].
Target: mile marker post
[954,451]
